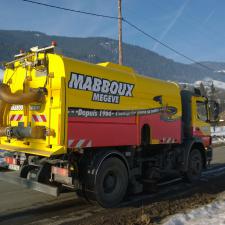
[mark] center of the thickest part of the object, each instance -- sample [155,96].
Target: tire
[25,169]
[111,182]
[195,165]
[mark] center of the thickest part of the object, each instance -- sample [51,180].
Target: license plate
[14,167]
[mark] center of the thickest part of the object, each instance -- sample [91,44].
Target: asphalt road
[218,156]
[17,202]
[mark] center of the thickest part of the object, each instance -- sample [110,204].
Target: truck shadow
[43,211]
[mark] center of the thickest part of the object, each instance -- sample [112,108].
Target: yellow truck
[101,130]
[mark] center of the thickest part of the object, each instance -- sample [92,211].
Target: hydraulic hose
[35,95]
[7,98]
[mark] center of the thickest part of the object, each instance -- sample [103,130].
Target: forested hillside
[95,49]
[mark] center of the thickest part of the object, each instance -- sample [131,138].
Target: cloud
[171,24]
[209,17]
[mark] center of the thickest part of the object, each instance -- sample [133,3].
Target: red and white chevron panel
[168,140]
[39,118]
[16,117]
[82,143]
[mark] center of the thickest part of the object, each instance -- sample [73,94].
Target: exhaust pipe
[6,99]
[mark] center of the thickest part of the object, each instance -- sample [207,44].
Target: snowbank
[218,134]
[211,214]
[218,131]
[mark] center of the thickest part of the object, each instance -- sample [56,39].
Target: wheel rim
[196,164]
[109,182]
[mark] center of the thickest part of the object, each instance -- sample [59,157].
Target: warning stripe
[39,118]
[70,143]
[16,117]
[82,143]
[168,140]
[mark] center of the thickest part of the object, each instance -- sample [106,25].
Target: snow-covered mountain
[216,83]
[219,84]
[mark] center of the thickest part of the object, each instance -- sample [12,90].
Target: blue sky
[194,27]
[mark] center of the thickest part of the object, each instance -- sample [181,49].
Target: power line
[127,22]
[165,45]
[71,10]
[120,22]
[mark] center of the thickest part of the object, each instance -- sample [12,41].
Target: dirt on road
[153,211]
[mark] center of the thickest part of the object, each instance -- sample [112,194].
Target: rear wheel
[111,182]
[25,169]
[195,164]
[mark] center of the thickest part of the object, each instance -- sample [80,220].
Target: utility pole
[120,32]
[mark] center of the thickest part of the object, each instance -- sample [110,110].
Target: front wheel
[111,182]
[195,164]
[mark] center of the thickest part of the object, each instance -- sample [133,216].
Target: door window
[202,111]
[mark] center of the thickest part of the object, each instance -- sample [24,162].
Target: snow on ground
[211,214]
[218,131]
[218,134]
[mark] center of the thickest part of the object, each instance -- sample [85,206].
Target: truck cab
[198,115]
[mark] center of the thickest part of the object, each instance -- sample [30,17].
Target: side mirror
[214,111]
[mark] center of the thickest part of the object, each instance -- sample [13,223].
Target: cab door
[200,124]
